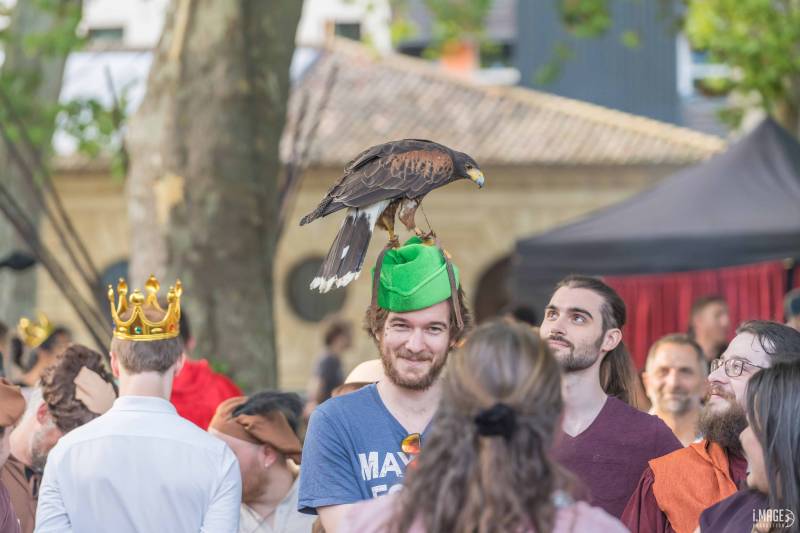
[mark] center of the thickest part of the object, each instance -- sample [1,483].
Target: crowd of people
[452,428]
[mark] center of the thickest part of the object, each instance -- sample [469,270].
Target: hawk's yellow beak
[476,176]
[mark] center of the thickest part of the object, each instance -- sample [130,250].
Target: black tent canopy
[739,207]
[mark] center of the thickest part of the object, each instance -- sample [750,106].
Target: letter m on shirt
[369,465]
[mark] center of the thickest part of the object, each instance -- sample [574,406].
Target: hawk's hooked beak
[476,176]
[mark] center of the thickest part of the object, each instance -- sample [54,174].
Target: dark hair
[618,375]
[3,331]
[336,329]
[524,314]
[779,341]
[17,349]
[773,400]
[50,341]
[58,386]
[477,482]
[184,328]
[680,339]
[374,320]
[265,402]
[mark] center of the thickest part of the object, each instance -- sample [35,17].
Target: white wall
[141,20]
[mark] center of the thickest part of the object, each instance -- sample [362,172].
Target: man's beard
[420,383]
[38,451]
[723,428]
[577,359]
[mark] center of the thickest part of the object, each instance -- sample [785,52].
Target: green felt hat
[413,277]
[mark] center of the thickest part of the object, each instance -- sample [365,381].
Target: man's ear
[611,339]
[269,456]
[43,413]
[179,363]
[114,364]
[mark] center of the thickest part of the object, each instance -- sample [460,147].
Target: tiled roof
[380,98]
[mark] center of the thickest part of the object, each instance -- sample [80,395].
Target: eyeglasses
[733,367]
[412,445]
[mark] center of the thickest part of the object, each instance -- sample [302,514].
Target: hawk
[383,181]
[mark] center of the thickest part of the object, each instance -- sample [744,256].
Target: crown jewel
[33,334]
[137,327]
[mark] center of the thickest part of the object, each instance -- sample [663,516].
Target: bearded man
[675,489]
[358,445]
[603,440]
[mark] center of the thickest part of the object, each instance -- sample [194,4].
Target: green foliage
[95,129]
[586,18]
[760,40]
[630,39]
[550,71]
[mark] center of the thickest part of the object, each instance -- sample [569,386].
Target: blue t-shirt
[351,451]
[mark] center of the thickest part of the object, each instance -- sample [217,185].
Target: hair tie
[498,420]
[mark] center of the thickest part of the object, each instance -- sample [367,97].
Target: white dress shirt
[140,468]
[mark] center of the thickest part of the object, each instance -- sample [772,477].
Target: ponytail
[618,377]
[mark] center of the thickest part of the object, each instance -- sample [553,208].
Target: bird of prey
[380,182]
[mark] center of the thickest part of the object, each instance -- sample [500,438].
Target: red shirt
[197,392]
[610,455]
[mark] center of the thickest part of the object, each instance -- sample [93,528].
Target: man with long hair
[140,466]
[485,466]
[773,479]
[603,440]
[358,445]
[676,488]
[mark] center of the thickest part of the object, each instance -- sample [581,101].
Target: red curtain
[660,304]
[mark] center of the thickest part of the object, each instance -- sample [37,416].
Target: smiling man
[675,489]
[604,441]
[358,445]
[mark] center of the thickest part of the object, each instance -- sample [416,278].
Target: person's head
[791,306]
[757,344]
[146,337]
[338,336]
[46,352]
[675,374]
[12,405]
[501,402]
[186,333]
[413,320]
[771,442]
[583,327]
[76,389]
[709,320]
[264,433]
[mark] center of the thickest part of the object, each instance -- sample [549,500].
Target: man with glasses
[676,488]
[358,445]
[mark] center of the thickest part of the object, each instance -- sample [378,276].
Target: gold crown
[33,334]
[137,327]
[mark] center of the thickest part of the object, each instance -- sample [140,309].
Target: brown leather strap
[376,278]
[453,286]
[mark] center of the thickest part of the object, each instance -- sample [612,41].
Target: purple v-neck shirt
[609,456]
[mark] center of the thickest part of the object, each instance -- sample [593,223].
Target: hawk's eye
[468,166]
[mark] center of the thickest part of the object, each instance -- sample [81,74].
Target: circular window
[310,305]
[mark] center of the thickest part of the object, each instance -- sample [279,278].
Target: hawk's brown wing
[401,169]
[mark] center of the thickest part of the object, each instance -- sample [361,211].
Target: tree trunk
[18,289]
[221,76]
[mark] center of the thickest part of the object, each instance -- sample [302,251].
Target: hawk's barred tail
[346,256]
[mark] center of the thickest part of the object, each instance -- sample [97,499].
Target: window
[309,305]
[106,35]
[349,30]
